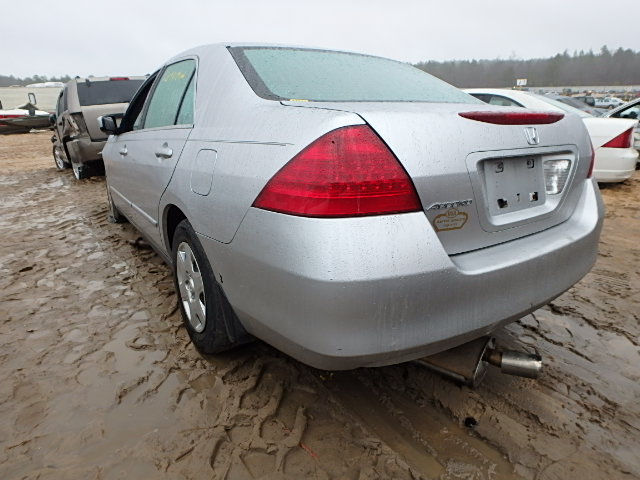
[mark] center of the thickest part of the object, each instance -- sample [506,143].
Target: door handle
[124,151]
[165,151]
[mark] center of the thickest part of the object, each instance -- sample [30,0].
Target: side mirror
[52,119]
[108,125]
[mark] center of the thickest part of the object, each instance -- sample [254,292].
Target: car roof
[204,50]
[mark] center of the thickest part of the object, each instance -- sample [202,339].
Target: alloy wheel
[191,287]
[60,163]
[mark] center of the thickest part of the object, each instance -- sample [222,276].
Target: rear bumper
[614,164]
[84,150]
[346,293]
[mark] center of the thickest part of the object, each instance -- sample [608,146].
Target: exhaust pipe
[467,363]
[515,363]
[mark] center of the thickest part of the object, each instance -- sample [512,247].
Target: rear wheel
[207,314]
[60,159]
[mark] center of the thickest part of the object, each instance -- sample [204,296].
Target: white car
[630,110]
[608,102]
[612,138]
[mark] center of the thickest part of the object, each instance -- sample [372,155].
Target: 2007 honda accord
[349,210]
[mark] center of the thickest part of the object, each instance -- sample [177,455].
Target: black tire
[207,314]
[114,215]
[60,159]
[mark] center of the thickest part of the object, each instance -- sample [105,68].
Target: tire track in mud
[401,413]
[109,383]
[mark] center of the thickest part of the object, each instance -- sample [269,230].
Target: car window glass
[631,112]
[504,101]
[137,105]
[104,92]
[185,116]
[59,105]
[168,94]
[134,114]
[561,106]
[137,124]
[278,73]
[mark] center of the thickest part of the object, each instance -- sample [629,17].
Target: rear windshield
[108,91]
[278,73]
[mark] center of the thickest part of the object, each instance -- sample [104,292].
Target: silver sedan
[348,209]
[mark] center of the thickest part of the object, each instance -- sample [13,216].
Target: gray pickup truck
[77,140]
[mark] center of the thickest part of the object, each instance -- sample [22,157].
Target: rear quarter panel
[248,140]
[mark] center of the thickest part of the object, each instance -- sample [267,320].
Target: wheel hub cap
[191,287]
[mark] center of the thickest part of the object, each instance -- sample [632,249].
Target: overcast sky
[131,37]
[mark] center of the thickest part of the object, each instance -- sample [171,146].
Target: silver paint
[349,292]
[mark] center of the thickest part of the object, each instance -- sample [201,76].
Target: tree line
[621,67]
[604,68]
[10,80]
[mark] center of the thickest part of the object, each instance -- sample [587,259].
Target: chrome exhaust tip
[522,364]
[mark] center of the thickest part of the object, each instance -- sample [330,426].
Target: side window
[59,105]
[185,115]
[631,112]
[137,124]
[168,95]
[133,117]
[65,95]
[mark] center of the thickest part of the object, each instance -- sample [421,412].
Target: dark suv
[78,141]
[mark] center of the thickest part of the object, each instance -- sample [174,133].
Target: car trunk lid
[480,184]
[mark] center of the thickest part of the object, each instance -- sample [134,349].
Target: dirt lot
[100,381]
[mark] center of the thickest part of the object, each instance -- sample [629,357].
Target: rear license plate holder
[513,183]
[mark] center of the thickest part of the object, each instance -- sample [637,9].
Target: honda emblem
[532,135]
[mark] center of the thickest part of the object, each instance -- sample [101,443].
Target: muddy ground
[98,378]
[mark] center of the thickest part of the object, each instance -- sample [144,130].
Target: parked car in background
[579,104]
[631,111]
[615,157]
[77,139]
[608,102]
[348,209]
[588,99]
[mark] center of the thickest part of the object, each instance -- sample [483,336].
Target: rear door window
[169,95]
[185,115]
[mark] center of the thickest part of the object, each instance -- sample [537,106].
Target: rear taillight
[514,118]
[624,140]
[12,116]
[345,173]
[78,125]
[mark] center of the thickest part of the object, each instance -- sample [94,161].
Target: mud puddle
[100,381]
